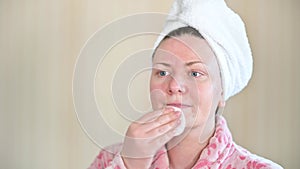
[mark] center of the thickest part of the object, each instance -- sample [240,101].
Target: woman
[197,66]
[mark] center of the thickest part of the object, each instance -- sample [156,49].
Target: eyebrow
[187,64]
[193,62]
[164,64]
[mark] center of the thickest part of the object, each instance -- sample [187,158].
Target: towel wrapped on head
[224,31]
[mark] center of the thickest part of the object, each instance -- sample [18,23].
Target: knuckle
[164,119]
[133,131]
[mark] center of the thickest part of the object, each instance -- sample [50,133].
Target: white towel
[225,32]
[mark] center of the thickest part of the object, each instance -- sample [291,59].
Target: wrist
[137,163]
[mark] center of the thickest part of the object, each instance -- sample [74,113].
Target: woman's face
[185,74]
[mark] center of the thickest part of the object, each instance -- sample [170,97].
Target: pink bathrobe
[221,152]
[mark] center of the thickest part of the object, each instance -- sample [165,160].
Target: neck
[185,150]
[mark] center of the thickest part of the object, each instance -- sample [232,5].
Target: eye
[196,74]
[163,73]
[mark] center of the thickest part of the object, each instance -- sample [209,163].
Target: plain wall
[39,44]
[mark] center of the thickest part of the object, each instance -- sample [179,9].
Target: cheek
[208,100]
[204,94]
[157,95]
[203,100]
[154,85]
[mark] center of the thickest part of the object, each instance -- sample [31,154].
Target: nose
[175,87]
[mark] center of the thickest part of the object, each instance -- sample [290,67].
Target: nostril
[176,90]
[175,87]
[180,90]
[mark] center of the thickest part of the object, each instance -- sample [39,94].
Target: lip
[179,105]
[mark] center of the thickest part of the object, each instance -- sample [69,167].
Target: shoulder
[243,158]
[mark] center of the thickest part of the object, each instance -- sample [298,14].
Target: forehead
[185,48]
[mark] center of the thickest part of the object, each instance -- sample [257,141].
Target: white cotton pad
[179,130]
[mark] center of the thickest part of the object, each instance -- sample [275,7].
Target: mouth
[179,105]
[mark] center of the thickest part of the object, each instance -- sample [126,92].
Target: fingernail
[169,109]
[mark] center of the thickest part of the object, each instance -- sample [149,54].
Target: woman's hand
[147,135]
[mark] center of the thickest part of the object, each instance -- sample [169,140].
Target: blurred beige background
[39,43]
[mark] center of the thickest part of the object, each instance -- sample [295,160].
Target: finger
[161,120]
[165,128]
[165,134]
[153,115]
